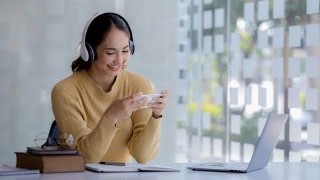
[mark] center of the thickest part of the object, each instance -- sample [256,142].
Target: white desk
[275,171]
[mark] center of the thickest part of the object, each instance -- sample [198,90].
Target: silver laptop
[262,153]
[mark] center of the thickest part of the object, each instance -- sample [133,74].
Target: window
[263,59]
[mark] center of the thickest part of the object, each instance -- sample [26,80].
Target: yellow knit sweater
[79,104]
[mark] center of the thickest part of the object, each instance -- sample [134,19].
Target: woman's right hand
[124,107]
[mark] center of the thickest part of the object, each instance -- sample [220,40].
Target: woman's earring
[124,65]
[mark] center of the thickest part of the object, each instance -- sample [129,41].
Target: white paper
[294,36]
[217,147]
[235,151]
[236,124]
[235,67]
[247,152]
[263,97]
[263,10]
[295,131]
[294,67]
[277,68]
[218,43]
[131,167]
[249,12]
[312,67]
[294,157]
[312,6]
[110,168]
[312,99]
[218,95]
[278,9]
[248,68]
[278,155]
[312,35]
[313,133]
[235,42]
[207,19]
[262,39]
[234,96]
[278,37]
[293,100]
[207,45]
[248,95]
[218,17]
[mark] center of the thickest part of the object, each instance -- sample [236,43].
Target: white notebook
[128,168]
[6,170]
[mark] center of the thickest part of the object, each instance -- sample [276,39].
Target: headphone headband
[86,51]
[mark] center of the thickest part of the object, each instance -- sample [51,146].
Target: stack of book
[50,159]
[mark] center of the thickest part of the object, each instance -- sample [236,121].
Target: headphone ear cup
[131,47]
[91,53]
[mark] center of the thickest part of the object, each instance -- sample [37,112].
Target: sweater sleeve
[70,117]
[145,140]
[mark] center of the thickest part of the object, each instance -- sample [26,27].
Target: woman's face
[112,53]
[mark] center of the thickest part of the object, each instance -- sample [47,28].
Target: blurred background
[227,64]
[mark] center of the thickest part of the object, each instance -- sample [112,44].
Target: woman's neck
[102,80]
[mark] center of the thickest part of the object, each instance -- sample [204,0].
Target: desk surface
[281,171]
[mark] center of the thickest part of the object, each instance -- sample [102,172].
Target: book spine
[28,161]
[51,163]
[66,163]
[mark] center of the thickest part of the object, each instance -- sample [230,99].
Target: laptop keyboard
[240,165]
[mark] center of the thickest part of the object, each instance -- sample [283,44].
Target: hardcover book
[50,163]
[51,150]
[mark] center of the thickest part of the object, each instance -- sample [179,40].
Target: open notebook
[103,168]
[6,170]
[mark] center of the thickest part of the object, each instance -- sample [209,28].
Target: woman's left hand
[159,105]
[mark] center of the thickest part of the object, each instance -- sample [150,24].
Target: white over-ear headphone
[85,47]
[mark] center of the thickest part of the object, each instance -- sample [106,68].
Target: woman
[101,103]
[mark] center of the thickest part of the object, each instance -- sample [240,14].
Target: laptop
[262,153]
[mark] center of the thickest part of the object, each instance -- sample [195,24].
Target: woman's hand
[159,105]
[124,107]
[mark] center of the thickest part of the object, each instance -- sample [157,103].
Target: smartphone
[152,97]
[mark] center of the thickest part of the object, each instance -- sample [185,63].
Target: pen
[113,163]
